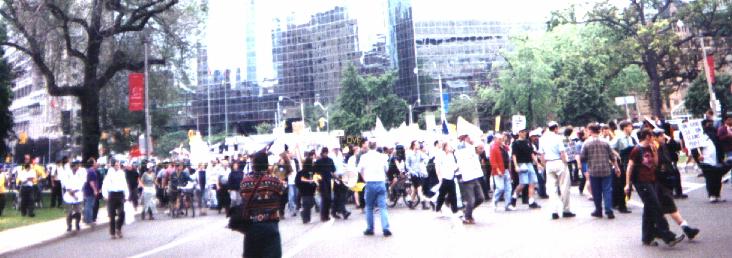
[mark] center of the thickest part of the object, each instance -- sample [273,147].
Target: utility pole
[148,141]
[208,99]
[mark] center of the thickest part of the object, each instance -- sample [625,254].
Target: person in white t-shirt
[446,166]
[73,195]
[373,167]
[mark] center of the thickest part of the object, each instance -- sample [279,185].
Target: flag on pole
[445,130]
[710,68]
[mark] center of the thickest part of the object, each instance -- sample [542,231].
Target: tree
[647,32]
[170,141]
[465,108]
[89,33]
[263,128]
[6,96]
[526,85]
[362,100]
[697,98]
[571,73]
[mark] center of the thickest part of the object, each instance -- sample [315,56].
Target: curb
[84,229]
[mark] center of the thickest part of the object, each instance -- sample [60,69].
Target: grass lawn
[11,217]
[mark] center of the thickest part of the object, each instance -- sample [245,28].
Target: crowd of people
[606,162]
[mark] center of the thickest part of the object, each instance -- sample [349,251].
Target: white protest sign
[518,123]
[693,133]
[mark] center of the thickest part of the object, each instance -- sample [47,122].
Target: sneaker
[513,202]
[387,233]
[675,240]
[555,216]
[713,199]
[534,205]
[368,233]
[568,214]
[624,211]
[610,216]
[346,215]
[510,208]
[596,214]
[690,232]
[681,196]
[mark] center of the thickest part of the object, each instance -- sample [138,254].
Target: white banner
[518,123]
[693,133]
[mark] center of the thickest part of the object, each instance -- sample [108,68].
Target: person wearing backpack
[641,172]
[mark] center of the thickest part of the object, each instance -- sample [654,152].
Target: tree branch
[59,14]
[661,10]
[138,17]
[126,65]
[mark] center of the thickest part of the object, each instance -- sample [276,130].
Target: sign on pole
[137,91]
[498,123]
[518,123]
[693,133]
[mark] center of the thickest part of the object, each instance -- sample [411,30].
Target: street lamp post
[327,114]
[148,141]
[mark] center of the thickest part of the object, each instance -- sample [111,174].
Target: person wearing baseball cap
[554,156]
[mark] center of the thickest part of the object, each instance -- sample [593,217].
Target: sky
[226,36]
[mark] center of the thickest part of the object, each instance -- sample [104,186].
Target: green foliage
[462,107]
[362,100]
[170,141]
[697,98]
[571,73]
[645,34]
[526,83]
[263,128]
[6,96]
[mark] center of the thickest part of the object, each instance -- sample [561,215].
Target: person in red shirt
[499,171]
[724,133]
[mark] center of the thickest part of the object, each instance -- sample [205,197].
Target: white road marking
[317,234]
[178,242]
[690,187]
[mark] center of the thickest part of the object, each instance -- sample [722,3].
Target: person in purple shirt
[91,191]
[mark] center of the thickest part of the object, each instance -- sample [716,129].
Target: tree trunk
[651,67]
[90,129]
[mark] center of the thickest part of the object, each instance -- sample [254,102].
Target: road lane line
[693,187]
[178,242]
[316,235]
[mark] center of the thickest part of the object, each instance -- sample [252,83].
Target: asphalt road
[417,233]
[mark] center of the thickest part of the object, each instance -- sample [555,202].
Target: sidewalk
[28,236]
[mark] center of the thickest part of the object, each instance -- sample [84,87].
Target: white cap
[552,123]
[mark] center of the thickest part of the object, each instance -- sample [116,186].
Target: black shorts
[666,198]
[417,181]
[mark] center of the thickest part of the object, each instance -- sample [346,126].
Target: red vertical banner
[710,64]
[137,91]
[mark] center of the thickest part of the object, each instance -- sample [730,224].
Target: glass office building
[299,51]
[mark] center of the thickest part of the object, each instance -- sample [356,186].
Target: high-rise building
[464,52]
[310,57]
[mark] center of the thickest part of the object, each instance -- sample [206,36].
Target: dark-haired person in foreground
[261,194]
[641,172]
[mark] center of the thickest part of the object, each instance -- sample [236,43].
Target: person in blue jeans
[598,155]
[91,190]
[373,166]
[499,172]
